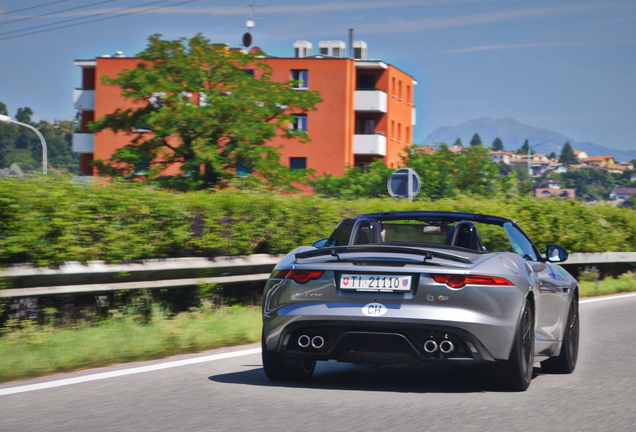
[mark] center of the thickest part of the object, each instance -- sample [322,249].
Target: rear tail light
[457,281]
[298,276]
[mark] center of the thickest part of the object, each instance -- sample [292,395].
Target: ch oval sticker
[374,309]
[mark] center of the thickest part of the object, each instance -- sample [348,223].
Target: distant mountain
[513,133]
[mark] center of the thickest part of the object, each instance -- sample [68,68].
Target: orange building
[367,110]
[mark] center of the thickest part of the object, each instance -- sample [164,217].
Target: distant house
[501,156]
[580,154]
[457,148]
[549,192]
[538,163]
[599,160]
[619,168]
[554,184]
[558,167]
[424,150]
[622,194]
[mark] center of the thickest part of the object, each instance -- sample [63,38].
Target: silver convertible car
[422,287]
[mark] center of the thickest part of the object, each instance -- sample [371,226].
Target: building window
[301,76]
[365,126]
[299,122]
[242,168]
[366,81]
[297,163]
[249,71]
[142,168]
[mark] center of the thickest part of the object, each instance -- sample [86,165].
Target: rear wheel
[516,373]
[283,368]
[566,361]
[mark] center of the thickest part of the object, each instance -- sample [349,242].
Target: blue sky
[564,65]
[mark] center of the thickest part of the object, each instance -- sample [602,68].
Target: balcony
[83,142]
[84,100]
[369,144]
[371,100]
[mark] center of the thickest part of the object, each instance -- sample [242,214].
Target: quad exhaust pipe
[316,342]
[304,341]
[446,347]
[430,346]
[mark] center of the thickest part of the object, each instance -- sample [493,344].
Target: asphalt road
[226,390]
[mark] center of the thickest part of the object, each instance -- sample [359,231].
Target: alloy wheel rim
[527,340]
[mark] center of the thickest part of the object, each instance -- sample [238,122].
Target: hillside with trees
[20,145]
[513,133]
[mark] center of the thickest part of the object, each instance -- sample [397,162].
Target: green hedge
[48,220]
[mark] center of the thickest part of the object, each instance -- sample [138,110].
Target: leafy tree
[475,140]
[207,139]
[590,184]
[444,174]
[567,155]
[3,109]
[356,182]
[458,142]
[24,115]
[525,148]
[553,155]
[497,144]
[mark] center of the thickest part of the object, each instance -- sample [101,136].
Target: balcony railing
[83,142]
[369,144]
[373,100]
[84,99]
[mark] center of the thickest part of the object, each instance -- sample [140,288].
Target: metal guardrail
[97,276]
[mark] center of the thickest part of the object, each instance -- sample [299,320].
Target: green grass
[589,286]
[28,350]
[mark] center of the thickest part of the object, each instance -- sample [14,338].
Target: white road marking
[605,298]
[123,372]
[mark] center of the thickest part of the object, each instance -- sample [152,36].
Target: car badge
[430,297]
[345,281]
[374,309]
[443,298]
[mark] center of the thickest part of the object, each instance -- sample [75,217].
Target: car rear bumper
[376,342]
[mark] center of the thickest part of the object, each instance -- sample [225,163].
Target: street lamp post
[44,152]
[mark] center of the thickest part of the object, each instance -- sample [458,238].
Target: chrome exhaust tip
[446,347]
[317,342]
[304,341]
[430,346]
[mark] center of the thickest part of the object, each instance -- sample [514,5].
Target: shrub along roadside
[48,221]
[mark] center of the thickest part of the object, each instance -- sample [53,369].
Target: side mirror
[325,242]
[556,253]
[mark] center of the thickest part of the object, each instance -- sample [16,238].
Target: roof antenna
[250,24]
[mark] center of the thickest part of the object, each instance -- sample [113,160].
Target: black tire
[517,371]
[284,368]
[565,362]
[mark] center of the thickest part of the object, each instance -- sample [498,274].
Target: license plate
[375,283]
